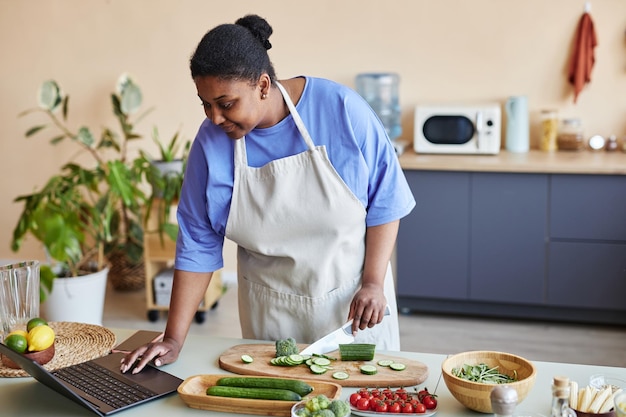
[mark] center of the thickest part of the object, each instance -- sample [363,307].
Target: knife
[332,340]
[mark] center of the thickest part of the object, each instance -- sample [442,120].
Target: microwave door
[479,128]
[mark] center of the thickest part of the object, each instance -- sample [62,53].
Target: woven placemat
[74,343]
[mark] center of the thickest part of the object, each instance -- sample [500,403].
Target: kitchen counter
[535,161]
[27,397]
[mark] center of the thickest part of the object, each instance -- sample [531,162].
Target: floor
[534,340]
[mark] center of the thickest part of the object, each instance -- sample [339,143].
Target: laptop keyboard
[101,383]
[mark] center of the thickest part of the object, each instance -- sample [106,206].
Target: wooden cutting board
[414,374]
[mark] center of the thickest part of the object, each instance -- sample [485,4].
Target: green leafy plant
[85,214]
[165,175]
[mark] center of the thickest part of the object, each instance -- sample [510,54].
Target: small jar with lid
[570,136]
[549,130]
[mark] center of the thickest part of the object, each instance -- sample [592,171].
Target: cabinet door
[508,237]
[588,207]
[432,250]
[587,275]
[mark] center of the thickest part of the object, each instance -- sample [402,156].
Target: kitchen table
[28,397]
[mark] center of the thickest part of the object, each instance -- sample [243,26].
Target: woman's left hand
[368,307]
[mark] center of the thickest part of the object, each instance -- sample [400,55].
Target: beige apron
[300,233]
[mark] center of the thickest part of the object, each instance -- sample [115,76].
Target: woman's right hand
[161,353]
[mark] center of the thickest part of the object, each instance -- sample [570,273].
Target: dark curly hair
[235,51]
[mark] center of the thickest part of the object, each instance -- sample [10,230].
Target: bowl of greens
[470,376]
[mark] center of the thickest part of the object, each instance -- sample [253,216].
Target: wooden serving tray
[415,373]
[193,392]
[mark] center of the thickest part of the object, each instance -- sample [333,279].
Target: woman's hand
[368,307]
[161,352]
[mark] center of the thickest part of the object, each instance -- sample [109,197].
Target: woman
[311,193]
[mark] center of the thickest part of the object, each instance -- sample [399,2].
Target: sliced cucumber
[385,362]
[321,361]
[247,359]
[368,369]
[318,370]
[397,366]
[340,375]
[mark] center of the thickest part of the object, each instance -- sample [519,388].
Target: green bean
[483,374]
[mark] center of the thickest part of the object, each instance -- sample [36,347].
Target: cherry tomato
[363,404]
[407,408]
[387,391]
[414,402]
[381,407]
[423,393]
[420,408]
[354,397]
[375,392]
[430,402]
[394,407]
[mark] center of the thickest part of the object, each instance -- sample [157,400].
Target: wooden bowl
[476,395]
[42,357]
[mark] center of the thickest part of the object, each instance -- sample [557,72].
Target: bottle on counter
[503,400]
[549,130]
[611,144]
[560,398]
[570,136]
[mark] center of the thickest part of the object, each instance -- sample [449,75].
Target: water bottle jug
[380,90]
[517,136]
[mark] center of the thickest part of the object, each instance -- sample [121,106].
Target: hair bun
[259,28]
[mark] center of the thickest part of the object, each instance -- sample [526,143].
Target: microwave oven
[457,129]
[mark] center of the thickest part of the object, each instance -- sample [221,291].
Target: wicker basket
[125,275]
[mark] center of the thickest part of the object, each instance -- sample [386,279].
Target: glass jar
[549,130]
[570,136]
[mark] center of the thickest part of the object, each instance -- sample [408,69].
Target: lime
[20,332]
[16,342]
[40,338]
[34,322]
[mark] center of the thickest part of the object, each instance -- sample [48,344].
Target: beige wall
[458,50]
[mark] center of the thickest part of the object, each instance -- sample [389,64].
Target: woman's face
[235,106]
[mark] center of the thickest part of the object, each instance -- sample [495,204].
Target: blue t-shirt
[337,118]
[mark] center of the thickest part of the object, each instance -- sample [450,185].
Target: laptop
[98,384]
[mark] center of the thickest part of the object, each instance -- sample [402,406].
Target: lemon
[40,338]
[34,322]
[16,342]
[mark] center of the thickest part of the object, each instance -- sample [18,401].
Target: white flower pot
[78,299]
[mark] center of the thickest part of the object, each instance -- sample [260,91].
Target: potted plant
[165,175]
[87,216]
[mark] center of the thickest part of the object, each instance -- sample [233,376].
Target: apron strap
[296,117]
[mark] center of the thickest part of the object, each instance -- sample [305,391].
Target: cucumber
[299,387]
[341,375]
[385,362]
[246,359]
[396,366]
[368,369]
[255,393]
[321,361]
[318,370]
[357,351]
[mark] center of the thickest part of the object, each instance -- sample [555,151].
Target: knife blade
[332,340]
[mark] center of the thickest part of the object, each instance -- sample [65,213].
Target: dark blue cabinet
[548,246]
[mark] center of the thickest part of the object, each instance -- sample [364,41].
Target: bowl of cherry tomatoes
[369,402]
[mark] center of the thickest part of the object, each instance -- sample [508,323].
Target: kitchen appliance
[457,129]
[380,90]
[517,136]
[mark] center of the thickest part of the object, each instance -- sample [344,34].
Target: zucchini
[254,393]
[357,351]
[299,387]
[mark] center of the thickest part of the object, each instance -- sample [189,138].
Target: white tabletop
[27,397]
